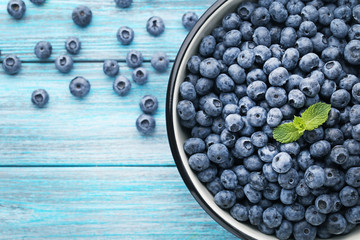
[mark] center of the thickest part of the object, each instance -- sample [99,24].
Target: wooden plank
[52,22]
[97,130]
[101,203]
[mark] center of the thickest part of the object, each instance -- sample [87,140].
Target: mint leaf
[287,132]
[299,123]
[315,115]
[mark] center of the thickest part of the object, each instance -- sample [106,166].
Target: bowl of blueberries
[263,117]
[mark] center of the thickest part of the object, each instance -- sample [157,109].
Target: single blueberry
[43,50]
[82,16]
[11,64]
[125,35]
[155,26]
[111,67]
[189,20]
[134,59]
[123,3]
[148,104]
[140,75]
[40,97]
[160,61]
[79,87]
[73,45]
[121,85]
[16,8]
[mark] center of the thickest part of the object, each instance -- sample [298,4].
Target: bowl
[177,135]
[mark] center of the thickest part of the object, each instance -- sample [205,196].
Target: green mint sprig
[310,119]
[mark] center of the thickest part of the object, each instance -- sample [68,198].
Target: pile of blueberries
[266,63]
[80,86]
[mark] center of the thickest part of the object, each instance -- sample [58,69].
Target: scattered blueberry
[121,85]
[43,50]
[189,19]
[40,97]
[125,35]
[64,63]
[155,26]
[160,61]
[148,104]
[11,64]
[37,2]
[140,75]
[82,16]
[111,67]
[73,45]
[16,8]
[145,124]
[79,87]
[123,3]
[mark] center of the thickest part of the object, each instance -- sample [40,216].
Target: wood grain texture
[97,130]
[101,203]
[52,22]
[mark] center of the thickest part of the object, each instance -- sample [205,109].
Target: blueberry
[160,61]
[332,70]
[271,64]
[123,3]
[290,58]
[11,64]
[278,12]
[319,41]
[314,177]
[327,89]
[79,87]
[234,122]
[336,223]
[274,117]
[272,217]
[310,13]
[288,180]
[302,189]
[310,87]
[259,139]
[16,8]
[287,111]
[334,136]
[304,45]
[352,52]
[148,104]
[203,119]
[111,67]
[228,109]
[255,74]
[213,107]
[239,212]
[339,28]
[306,201]
[294,6]
[243,147]
[228,138]
[251,194]
[121,85]
[134,59]
[231,21]
[194,145]
[352,177]
[237,73]
[224,83]
[264,229]
[340,98]
[304,231]
[188,123]
[348,82]
[330,53]
[354,32]
[225,199]
[304,159]
[230,55]
[207,46]
[43,50]
[218,33]
[218,153]
[193,64]
[296,98]
[325,16]
[255,215]
[203,86]
[282,162]
[37,2]
[155,26]
[228,179]
[276,96]
[356,13]
[211,139]
[247,30]
[288,37]
[261,36]
[140,75]
[82,16]
[245,10]
[214,186]
[209,68]
[245,103]
[356,92]
[349,196]
[242,174]
[314,217]
[343,12]
[260,16]
[294,212]
[353,215]
[277,51]
[334,118]
[257,181]
[268,152]
[262,53]
[292,148]
[284,231]
[186,110]
[73,45]
[40,97]
[275,34]
[271,191]
[189,20]
[125,35]
[256,116]
[246,58]
[208,175]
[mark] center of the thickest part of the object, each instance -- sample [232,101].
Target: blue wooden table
[78,169]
